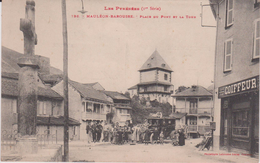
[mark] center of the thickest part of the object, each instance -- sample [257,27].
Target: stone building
[236,89]
[50,104]
[155,80]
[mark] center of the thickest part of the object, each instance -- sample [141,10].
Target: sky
[112,50]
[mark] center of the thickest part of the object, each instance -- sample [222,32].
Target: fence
[9,139]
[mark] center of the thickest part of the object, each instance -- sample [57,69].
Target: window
[165,88]
[228,55]
[240,124]
[193,120]
[256,3]
[83,106]
[120,110]
[256,39]
[14,106]
[128,111]
[145,89]
[165,77]
[193,104]
[42,108]
[229,12]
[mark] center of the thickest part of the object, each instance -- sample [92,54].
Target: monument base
[27,145]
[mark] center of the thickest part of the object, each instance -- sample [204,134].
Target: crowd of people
[98,131]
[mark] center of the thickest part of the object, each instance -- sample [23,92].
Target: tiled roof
[57,121]
[133,87]
[155,61]
[196,91]
[10,88]
[116,95]
[10,60]
[155,82]
[88,92]
[177,115]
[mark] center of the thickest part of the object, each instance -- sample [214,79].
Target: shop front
[240,116]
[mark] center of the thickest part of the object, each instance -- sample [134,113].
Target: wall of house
[56,133]
[180,103]
[204,121]
[9,114]
[205,103]
[179,122]
[147,76]
[161,74]
[132,92]
[243,66]
[159,97]
[75,102]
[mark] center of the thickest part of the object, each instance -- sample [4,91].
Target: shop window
[256,52]
[228,55]
[240,123]
[229,12]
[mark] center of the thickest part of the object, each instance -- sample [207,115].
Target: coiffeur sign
[242,86]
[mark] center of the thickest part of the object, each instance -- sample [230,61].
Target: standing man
[94,132]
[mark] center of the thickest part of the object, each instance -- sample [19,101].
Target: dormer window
[152,58]
[163,65]
[148,65]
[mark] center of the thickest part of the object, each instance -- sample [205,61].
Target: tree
[181,88]
[127,94]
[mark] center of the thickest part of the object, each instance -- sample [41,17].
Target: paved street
[149,153]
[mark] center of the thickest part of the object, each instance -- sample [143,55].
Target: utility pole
[65,81]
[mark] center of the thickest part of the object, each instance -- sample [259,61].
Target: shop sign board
[247,85]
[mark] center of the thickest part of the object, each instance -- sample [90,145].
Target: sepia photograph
[130,80]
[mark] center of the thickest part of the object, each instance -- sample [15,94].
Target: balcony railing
[193,111]
[122,105]
[94,116]
[200,111]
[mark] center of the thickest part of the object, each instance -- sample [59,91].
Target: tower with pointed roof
[155,79]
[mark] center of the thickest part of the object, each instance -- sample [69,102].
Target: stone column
[27,85]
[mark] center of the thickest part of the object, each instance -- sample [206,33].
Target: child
[161,137]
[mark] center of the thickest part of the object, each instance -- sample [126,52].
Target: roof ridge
[155,61]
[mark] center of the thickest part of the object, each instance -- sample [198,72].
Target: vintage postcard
[130,81]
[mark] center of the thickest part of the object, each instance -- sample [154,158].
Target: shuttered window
[229,12]
[256,39]
[228,55]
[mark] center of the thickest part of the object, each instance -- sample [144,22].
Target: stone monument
[27,84]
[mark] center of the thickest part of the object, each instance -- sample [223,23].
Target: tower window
[165,88]
[165,77]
